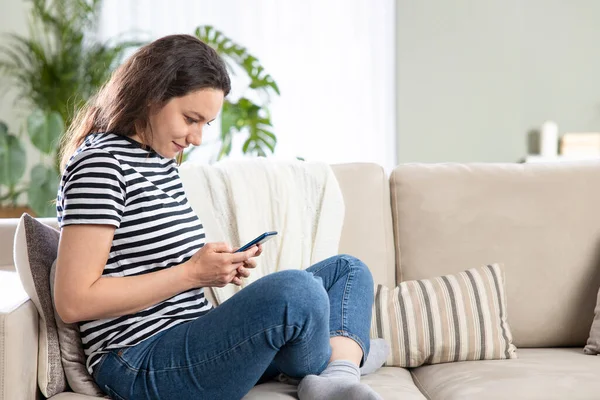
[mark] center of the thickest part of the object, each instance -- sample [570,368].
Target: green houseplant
[12,167]
[55,69]
[244,114]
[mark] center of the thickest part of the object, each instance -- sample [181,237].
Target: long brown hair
[169,67]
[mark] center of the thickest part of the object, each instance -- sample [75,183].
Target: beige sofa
[540,220]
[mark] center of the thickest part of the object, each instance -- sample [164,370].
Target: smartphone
[259,240]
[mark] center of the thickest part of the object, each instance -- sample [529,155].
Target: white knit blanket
[237,200]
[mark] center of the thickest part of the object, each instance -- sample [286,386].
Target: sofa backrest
[366,234]
[540,220]
[8,226]
[367,230]
[7,234]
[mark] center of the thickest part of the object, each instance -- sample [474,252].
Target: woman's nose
[195,138]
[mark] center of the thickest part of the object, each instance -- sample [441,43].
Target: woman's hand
[244,270]
[216,265]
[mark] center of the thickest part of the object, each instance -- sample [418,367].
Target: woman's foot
[379,352]
[339,381]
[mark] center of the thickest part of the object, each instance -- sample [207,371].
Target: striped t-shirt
[111,179]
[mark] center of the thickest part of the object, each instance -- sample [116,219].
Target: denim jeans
[279,323]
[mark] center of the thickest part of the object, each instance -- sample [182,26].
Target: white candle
[549,139]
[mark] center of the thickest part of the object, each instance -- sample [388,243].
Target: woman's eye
[208,123]
[190,120]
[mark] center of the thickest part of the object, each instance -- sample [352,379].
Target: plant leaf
[228,48]
[55,67]
[225,147]
[12,160]
[270,141]
[230,115]
[246,145]
[245,114]
[43,189]
[45,129]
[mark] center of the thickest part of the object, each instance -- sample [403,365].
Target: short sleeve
[92,190]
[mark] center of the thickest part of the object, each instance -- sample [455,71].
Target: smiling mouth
[178,146]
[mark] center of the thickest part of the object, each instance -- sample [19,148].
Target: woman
[132,260]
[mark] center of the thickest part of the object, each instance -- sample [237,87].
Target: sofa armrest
[18,340]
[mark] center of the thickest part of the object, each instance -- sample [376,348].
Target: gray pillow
[593,343]
[36,245]
[60,349]
[71,352]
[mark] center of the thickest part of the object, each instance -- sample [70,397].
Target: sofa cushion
[560,373]
[394,383]
[540,220]
[272,391]
[73,396]
[389,382]
[36,245]
[450,318]
[593,343]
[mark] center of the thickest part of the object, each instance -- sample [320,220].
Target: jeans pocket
[113,395]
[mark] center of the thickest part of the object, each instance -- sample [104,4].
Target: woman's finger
[236,281]
[243,272]
[242,256]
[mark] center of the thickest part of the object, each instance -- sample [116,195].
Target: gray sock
[339,381]
[378,353]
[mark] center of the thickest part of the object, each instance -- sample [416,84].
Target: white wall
[332,59]
[474,77]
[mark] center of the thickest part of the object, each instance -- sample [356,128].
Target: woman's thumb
[221,247]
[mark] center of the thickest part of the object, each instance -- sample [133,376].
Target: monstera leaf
[243,115]
[246,114]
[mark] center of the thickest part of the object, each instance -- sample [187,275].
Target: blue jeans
[280,323]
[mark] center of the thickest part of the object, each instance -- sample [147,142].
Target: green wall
[474,77]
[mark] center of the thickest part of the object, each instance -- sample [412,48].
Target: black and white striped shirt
[111,179]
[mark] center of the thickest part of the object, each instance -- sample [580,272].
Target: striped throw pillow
[459,317]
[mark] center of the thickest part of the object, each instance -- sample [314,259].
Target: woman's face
[181,121]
